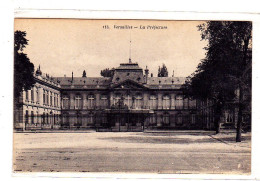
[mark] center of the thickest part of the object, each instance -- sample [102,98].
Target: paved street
[131,152]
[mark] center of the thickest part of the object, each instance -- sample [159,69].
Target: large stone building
[130,100]
[39,108]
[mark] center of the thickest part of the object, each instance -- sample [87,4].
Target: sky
[61,46]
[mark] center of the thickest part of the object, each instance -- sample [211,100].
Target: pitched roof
[86,82]
[105,82]
[127,66]
[165,80]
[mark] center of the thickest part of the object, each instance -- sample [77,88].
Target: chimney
[146,74]
[173,73]
[72,77]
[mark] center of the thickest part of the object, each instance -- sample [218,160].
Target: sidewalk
[207,132]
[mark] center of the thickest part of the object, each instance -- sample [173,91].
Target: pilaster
[173,101]
[159,100]
[72,102]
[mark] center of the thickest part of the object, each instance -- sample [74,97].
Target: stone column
[58,100]
[40,90]
[159,100]
[173,101]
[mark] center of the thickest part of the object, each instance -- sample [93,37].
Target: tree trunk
[240,115]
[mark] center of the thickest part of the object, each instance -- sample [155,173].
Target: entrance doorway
[126,121]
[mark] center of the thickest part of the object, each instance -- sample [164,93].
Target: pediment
[128,84]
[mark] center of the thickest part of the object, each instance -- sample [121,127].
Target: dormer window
[128,74]
[117,79]
[138,79]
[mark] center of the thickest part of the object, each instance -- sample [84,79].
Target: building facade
[39,108]
[130,100]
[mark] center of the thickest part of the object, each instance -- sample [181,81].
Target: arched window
[138,101]
[166,102]
[90,120]
[166,118]
[78,102]
[179,102]
[128,100]
[65,119]
[91,99]
[65,102]
[179,119]
[104,100]
[153,102]
[79,120]
[117,98]
[153,121]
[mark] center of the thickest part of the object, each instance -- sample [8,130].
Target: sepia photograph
[132,96]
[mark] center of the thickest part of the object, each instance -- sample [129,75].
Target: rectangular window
[32,117]
[54,100]
[26,95]
[91,100]
[26,116]
[179,119]
[44,96]
[78,102]
[104,101]
[192,104]
[51,98]
[186,103]
[32,95]
[179,102]
[37,95]
[153,120]
[166,102]
[57,100]
[193,118]
[153,102]
[65,102]
[47,98]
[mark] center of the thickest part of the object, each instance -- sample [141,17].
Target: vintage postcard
[132,96]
